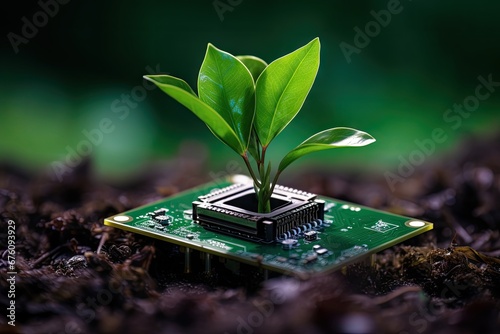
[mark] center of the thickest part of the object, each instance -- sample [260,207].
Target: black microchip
[233,210]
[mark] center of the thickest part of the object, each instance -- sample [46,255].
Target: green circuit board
[349,233]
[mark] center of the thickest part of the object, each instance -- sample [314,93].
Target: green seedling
[246,103]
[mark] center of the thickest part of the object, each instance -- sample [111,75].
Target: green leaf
[254,64]
[267,175]
[327,139]
[182,93]
[254,146]
[226,85]
[282,89]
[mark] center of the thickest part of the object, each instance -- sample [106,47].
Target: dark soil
[77,276]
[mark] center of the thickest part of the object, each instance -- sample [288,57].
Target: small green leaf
[327,139]
[226,85]
[254,64]
[282,89]
[254,146]
[267,175]
[180,91]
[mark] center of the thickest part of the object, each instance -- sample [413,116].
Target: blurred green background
[84,58]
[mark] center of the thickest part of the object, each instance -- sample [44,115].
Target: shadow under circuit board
[347,234]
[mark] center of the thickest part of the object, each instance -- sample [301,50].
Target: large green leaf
[327,139]
[182,93]
[226,85]
[254,64]
[282,89]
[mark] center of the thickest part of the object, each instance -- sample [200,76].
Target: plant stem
[264,193]
[264,201]
[250,170]
[263,155]
[262,185]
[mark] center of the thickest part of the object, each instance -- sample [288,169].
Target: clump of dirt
[75,275]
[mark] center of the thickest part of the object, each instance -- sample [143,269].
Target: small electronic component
[288,244]
[321,251]
[304,233]
[311,235]
[233,210]
[164,220]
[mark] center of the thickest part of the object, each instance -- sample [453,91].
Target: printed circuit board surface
[345,233]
